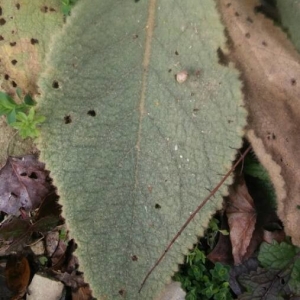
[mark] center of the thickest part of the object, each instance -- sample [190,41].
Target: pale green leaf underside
[290,18]
[129,177]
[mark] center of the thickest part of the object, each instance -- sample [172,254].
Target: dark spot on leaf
[18,5]
[2,21]
[11,17]
[91,113]
[122,292]
[223,60]
[282,281]
[176,52]
[0,11]
[52,9]
[134,257]
[14,84]
[136,1]
[247,35]
[264,43]
[13,44]
[249,20]
[229,121]
[34,41]
[157,206]
[13,194]
[298,206]
[23,174]
[44,9]
[55,84]
[271,136]
[135,36]
[236,14]
[6,76]
[293,81]
[228,4]
[68,119]
[170,70]
[1,38]
[195,109]
[14,61]
[12,32]
[33,175]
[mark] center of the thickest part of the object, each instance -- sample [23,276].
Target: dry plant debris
[32,217]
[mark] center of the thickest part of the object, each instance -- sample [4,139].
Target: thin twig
[212,193]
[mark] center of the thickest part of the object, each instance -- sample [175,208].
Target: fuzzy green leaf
[131,150]
[276,256]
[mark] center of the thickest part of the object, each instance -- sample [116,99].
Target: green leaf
[276,256]
[11,117]
[28,100]
[130,173]
[27,124]
[294,282]
[289,16]
[19,92]
[7,104]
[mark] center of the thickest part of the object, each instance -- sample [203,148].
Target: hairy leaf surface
[131,150]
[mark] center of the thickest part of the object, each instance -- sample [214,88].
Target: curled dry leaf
[23,184]
[241,216]
[270,68]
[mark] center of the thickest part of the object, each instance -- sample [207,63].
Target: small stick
[212,193]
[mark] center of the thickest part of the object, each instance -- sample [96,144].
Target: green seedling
[200,280]
[67,6]
[212,232]
[21,116]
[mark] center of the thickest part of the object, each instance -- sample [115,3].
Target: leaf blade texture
[132,151]
[276,256]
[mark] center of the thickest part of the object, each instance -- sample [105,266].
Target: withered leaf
[72,280]
[265,284]
[270,68]
[83,293]
[17,275]
[241,216]
[23,184]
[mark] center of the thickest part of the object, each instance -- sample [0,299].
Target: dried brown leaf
[23,184]
[241,216]
[17,274]
[83,293]
[270,68]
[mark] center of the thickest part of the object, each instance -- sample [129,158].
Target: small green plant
[67,6]
[21,116]
[212,232]
[202,281]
